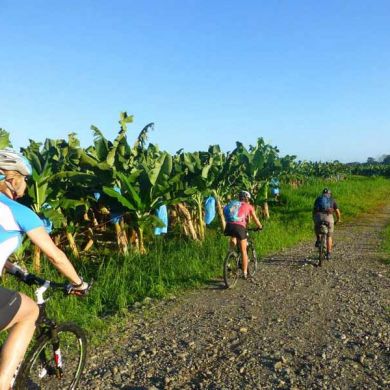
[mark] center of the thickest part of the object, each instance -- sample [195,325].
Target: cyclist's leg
[329,241]
[317,222]
[229,231]
[232,243]
[243,244]
[20,331]
[329,244]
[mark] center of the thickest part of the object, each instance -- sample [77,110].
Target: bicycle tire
[231,269]
[252,261]
[37,375]
[322,250]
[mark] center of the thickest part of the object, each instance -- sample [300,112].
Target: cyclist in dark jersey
[18,312]
[324,208]
[237,230]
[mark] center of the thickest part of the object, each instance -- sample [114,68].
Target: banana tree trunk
[90,242]
[264,207]
[37,259]
[133,238]
[88,245]
[141,246]
[198,200]
[265,210]
[186,231]
[121,238]
[219,210]
[72,244]
[57,239]
[187,216]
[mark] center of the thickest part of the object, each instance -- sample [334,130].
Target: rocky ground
[295,326]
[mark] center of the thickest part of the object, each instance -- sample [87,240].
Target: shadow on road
[290,262]
[215,284]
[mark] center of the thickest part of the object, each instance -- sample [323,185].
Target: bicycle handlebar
[67,288]
[254,229]
[31,280]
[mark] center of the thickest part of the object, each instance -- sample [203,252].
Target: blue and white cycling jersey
[15,220]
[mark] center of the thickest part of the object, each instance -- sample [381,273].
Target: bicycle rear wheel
[55,364]
[322,250]
[252,261]
[231,269]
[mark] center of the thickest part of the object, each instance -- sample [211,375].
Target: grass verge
[172,265]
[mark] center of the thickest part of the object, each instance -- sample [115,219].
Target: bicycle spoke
[252,262]
[231,269]
[56,364]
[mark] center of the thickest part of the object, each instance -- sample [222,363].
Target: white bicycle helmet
[12,161]
[244,195]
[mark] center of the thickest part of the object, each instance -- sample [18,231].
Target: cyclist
[324,208]
[18,312]
[236,225]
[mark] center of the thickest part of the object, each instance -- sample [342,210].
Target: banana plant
[5,141]
[40,192]
[143,190]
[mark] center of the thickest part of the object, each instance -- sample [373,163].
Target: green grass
[172,265]
[386,244]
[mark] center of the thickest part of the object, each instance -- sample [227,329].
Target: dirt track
[295,326]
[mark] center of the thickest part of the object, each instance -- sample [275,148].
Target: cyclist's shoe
[328,256]
[245,275]
[317,244]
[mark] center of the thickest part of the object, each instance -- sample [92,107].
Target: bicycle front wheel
[55,363]
[231,269]
[252,261]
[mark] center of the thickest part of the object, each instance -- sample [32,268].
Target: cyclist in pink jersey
[237,229]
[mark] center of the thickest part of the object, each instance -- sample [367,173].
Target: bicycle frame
[48,326]
[45,326]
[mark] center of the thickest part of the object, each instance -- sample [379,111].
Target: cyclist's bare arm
[338,215]
[257,221]
[41,238]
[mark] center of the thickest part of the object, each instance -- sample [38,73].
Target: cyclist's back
[241,212]
[15,219]
[324,208]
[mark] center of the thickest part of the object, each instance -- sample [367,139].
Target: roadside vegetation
[175,264]
[386,244]
[100,204]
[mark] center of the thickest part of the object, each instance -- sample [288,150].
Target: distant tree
[4,139]
[371,160]
[386,159]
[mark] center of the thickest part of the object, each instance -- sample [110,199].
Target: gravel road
[295,326]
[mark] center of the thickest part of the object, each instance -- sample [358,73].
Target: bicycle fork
[51,365]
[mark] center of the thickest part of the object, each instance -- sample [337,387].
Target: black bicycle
[322,247]
[57,358]
[232,266]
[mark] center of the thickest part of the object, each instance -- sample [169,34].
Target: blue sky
[311,77]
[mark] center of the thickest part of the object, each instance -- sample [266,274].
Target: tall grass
[386,244]
[172,265]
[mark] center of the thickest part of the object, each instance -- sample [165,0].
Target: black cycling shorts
[10,302]
[236,230]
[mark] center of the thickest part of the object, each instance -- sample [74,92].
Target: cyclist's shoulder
[246,206]
[12,211]
[13,206]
